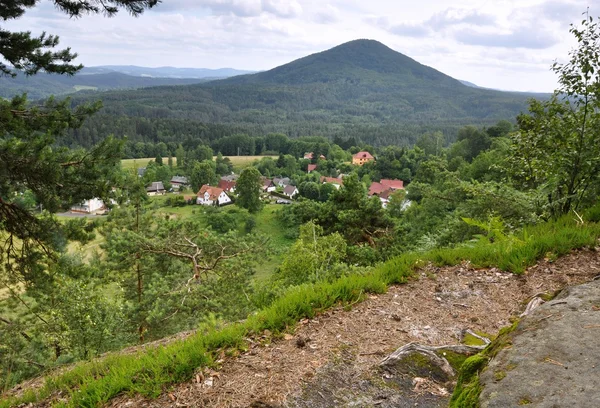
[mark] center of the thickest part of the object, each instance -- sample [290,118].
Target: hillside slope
[331,360]
[362,89]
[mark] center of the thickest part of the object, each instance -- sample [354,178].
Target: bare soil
[433,309]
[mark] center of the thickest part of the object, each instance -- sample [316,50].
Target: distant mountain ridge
[108,77]
[166,72]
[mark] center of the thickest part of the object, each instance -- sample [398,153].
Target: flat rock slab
[554,359]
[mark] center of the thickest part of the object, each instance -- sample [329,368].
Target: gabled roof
[230,177]
[213,192]
[311,167]
[332,180]
[179,180]
[281,180]
[394,184]
[267,182]
[289,190]
[363,155]
[156,186]
[377,188]
[226,185]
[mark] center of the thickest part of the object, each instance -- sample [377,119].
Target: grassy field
[85,88]
[239,162]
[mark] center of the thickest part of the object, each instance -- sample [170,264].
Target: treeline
[142,133]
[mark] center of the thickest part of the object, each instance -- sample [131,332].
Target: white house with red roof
[209,195]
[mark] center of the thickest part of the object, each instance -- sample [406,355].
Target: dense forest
[360,90]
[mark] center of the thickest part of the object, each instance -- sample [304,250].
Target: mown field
[238,162]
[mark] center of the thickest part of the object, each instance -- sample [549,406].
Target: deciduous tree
[557,146]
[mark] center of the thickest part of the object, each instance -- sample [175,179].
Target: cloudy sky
[505,44]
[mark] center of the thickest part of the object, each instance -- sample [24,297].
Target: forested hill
[43,85]
[360,89]
[358,61]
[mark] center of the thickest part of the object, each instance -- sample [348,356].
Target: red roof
[394,184]
[377,188]
[332,180]
[214,192]
[363,155]
[312,167]
[226,185]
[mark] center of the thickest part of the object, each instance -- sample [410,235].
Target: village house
[384,197]
[156,188]
[209,195]
[179,182]
[89,206]
[290,191]
[377,188]
[281,182]
[384,189]
[227,186]
[268,185]
[311,167]
[361,158]
[337,182]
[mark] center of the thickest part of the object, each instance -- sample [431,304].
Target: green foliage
[556,148]
[223,222]
[31,165]
[202,173]
[248,189]
[249,225]
[313,257]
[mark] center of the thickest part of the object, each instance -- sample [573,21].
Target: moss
[468,388]
[471,340]
[546,297]
[524,401]
[455,359]
[420,366]
[466,393]
[499,375]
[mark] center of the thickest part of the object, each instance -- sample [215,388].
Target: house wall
[224,199]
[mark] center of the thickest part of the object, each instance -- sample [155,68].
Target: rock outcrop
[552,358]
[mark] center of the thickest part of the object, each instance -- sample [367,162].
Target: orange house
[361,158]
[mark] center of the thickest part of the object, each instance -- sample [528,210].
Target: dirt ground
[433,310]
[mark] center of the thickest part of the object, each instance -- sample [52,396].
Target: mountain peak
[361,60]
